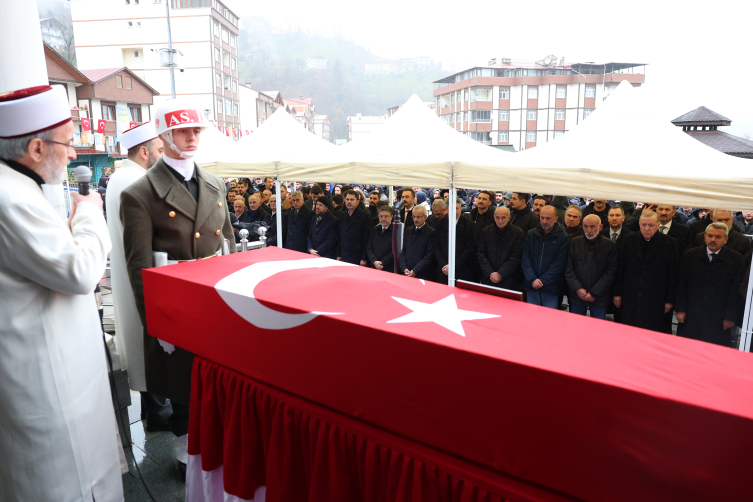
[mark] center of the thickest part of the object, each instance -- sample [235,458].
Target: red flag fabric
[86,124]
[227,132]
[588,408]
[247,133]
[132,124]
[220,128]
[101,124]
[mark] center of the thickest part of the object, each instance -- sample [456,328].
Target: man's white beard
[52,174]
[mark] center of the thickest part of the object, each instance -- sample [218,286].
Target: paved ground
[153,451]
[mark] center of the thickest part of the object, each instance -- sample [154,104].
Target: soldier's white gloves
[167,347]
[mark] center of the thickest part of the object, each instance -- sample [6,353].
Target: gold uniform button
[217,232]
[171,214]
[219,204]
[197,235]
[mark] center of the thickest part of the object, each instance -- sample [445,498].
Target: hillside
[269,61]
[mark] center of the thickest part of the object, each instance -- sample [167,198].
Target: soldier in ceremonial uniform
[179,209]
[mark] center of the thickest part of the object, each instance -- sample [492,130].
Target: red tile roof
[98,75]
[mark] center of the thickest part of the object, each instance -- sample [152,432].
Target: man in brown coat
[179,209]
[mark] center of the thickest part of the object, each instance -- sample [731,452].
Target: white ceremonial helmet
[175,114]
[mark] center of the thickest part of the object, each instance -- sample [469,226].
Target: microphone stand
[397,236]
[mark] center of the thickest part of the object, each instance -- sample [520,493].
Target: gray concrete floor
[152,451]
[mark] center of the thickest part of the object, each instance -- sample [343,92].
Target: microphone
[83,176]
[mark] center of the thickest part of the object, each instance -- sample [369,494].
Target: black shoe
[157,427]
[182,470]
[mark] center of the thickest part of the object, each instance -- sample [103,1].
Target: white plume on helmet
[175,114]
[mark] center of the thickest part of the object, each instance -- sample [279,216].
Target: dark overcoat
[323,237]
[501,251]
[708,292]
[354,235]
[298,229]
[379,248]
[735,241]
[591,265]
[525,219]
[159,214]
[465,249]
[418,253]
[646,279]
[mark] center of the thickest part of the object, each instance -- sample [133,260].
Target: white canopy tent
[623,151]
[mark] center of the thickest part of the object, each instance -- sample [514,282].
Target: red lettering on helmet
[180,117]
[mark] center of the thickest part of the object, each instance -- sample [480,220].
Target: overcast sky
[695,51]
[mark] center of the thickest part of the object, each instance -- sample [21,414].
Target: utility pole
[170,49]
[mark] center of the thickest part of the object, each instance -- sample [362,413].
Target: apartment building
[53,33]
[132,33]
[322,127]
[524,103]
[361,125]
[257,106]
[304,111]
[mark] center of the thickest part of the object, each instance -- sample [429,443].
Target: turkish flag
[220,128]
[101,124]
[489,380]
[227,132]
[247,133]
[132,124]
[86,124]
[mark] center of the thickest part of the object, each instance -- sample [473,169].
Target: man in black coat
[735,240]
[299,222]
[465,249]
[322,240]
[668,225]
[355,225]
[644,287]
[744,222]
[707,300]
[379,245]
[438,212]
[271,220]
[522,216]
[573,217]
[615,229]
[406,212]
[417,257]
[372,208]
[499,252]
[590,269]
[600,208]
[482,216]
[698,225]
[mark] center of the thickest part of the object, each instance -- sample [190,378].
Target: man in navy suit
[616,230]
[417,256]
[322,240]
[299,220]
[355,225]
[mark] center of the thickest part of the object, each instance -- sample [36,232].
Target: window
[232,63]
[590,91]
[504,93]
[481,116]
[216,29]
[232,40]
[504,115]
[217,55]
[119,81]
[138,24]
[128,2]
[465,116]
[227,82]
[219,106]
[482,137]
[108,111]
[452,99]
[217,80]
[481,95]
[531,115]
[587,112]
[225,58]
[135,54]
[260,106]
[228,107]
[559,114]
[557,134]
[530,136]
[561,92]
[235,110]
[128,83]
[225,36]
[235,86]
[533,93]
[503,137]
[130,24]
[465,95]
[135,112]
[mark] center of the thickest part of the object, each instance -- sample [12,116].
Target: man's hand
[364,263]
[728,324]
[446,270]
[339,259]
[681,316]
[378,265]
[407,272]
[537,284]
[617,301]
[93,197]
[582,293]
[589,298]
[314,252]
[495,277]
[668,307]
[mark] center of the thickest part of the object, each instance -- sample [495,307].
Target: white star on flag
[444,312]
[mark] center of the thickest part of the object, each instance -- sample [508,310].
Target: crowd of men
[645,264]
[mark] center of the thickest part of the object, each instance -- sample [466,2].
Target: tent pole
[451,222]
[278,213]
[392,189]
[745,331]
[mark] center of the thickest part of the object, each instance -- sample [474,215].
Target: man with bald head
[735,240]
[544,257]
[591,265]
[499,252]
[644,287]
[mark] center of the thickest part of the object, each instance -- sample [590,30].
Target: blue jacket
[298,229]
[354,235]
[323,237]
[545,257]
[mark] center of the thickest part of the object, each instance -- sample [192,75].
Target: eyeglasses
[67,145]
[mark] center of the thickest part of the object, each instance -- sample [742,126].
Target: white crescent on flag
[237,290]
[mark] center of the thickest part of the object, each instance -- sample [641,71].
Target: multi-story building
[304,111]
[524,103]
[118,33]
[316,63]
[53,33]
[394,109]
[361,125]
[322,127]
[257,106]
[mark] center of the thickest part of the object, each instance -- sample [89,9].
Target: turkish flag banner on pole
[220,128]
[101,124]
[132,124]
[86,124]
[589,408]
[227,132]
